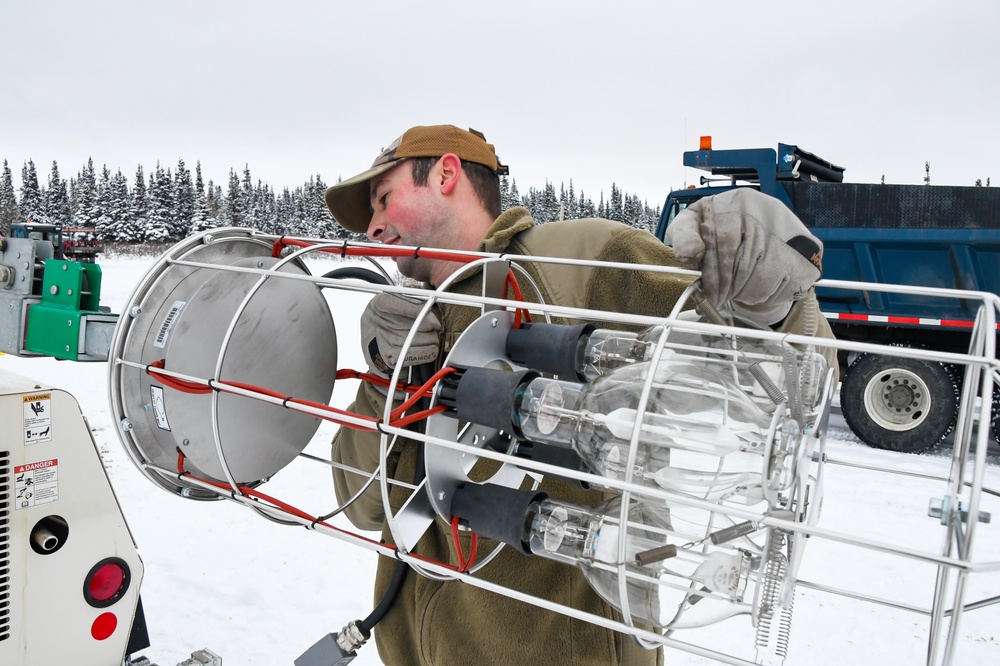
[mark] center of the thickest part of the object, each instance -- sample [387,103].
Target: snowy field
[222,577]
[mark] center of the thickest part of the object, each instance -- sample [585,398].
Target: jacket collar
[510,223]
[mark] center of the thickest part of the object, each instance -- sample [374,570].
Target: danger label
[36,483]
[37,418]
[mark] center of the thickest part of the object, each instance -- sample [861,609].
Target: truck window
[676,206]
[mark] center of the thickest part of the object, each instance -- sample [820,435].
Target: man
[438,187]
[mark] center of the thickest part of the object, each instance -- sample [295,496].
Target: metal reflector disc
[237,327]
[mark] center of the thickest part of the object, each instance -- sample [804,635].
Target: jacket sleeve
[636,292]
[359,449]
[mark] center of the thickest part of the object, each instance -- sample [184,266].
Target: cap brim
[350,200]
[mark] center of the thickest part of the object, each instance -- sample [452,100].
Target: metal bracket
[942,508]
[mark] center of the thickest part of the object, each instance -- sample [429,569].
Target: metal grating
[5,493]
[843,205]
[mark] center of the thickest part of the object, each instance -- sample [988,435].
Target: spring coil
[733,532]
[784,629]
[773,575]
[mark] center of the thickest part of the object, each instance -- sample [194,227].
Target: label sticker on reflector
[159,411]
[168,322]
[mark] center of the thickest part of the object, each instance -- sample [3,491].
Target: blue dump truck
[920,235]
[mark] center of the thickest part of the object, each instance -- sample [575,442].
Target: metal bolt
[185,442]
[69,322]
[494,322]
[260,264]
[209,238]
[125,424]
[941,509]
[67,347]
[442,495]
[53,290]
[69,292]
[65,267]
[26,265]
[146,406]
[134,311]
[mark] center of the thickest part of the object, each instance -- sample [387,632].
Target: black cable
[421,374]
[358,273]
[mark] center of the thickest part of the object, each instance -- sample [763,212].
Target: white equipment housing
[59,524]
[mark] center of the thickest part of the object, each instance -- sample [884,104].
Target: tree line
[170,204]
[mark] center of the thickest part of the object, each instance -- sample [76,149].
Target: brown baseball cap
[350,200]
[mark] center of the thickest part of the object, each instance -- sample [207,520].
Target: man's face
[407,214]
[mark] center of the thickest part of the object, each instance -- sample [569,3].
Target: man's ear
[448,172]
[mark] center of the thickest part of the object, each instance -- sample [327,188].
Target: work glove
[756,257]
[386,322]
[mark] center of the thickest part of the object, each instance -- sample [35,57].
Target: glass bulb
[666,584]
[606,350]
[699,432]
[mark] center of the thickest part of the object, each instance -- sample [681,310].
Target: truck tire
[900,404]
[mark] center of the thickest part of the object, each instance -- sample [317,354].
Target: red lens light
[106,582]
[104,626]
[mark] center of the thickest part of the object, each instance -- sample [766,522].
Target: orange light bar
[706,143]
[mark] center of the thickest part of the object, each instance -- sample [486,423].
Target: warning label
[36,483]
[37,418]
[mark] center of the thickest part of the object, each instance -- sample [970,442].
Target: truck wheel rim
[897,400]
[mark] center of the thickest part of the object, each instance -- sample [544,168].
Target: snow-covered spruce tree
[202,217]
[567,199]
[84,196]
[320,216]
[159,220]
[140,208]
[122,226]
[56,199]
[32,208]
[232,213]
[287,214]
[102,210]
[266,209]
[631,211]
[585,206]
[183,202]
[616,205]
[10,212]
[213,197]
[248,200]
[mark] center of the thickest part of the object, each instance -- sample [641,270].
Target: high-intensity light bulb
[698,432]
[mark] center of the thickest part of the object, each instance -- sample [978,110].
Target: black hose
[358,273]
[421,375]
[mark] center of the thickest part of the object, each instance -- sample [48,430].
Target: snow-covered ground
[220,576]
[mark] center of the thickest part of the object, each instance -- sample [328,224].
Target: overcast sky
[599,92]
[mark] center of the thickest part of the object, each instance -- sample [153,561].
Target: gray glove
[756,257]
[386,322]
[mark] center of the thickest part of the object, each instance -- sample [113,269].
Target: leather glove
[386,322]
[756,257]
